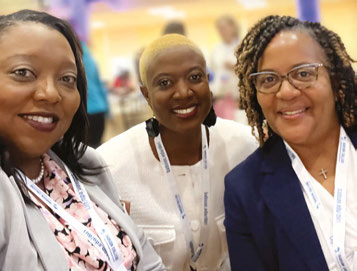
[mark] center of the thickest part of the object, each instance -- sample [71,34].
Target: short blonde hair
[159,45]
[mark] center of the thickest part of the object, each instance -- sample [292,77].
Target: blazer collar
[276,156]
[353,137]
[282,193]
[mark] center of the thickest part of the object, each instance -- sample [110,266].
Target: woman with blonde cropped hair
[172,171]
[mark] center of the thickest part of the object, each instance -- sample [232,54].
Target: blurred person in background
[292,206]
[171,168]
[97,103]
[224,84]
[123,84]
[174,27]
[59,209]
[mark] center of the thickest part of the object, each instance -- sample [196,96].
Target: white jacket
[141,180]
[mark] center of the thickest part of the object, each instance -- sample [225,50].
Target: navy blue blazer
[268,223]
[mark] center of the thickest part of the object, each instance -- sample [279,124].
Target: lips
[39,119]
[44,122]
[293,113]
[185,112]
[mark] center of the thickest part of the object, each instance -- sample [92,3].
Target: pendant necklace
[323,173]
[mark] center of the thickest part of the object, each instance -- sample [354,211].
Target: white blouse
[328,202]
[141,180]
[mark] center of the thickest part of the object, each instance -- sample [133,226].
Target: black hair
[74,142]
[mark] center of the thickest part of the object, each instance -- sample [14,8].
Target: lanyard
[106,243]
[165,163]
[336,242]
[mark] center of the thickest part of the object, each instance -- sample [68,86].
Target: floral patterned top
[80,254]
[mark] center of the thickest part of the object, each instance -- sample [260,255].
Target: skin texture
[285,51]
[173,87]
[315,120]
[38,77]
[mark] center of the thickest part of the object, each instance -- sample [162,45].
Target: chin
[295,138]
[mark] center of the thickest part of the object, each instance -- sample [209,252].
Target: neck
[31,167]
[320,155]
[181,148]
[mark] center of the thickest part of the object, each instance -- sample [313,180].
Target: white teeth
[40,119]
[185,111]
[293,112]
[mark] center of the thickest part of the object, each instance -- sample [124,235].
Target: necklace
[42,172]
[323,173]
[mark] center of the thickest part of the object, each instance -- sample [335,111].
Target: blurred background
[116,31]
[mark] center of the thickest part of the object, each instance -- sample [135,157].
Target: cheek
[159,103]
[264,104]
[72,104]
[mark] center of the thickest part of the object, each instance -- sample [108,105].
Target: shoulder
[245,172]
[92,159]
[250,172]
[232,128]
[122,143]
[235,137]
[104,179]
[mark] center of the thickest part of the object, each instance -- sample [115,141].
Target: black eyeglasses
[300,77]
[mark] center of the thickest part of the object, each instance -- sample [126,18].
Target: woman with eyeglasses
[292,204]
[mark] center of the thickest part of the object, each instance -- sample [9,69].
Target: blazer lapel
[353,137]
[43,238]
[283,195]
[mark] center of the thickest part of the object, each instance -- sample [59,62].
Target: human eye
[267,80]
[304,74]
[23,74]
[164,83]
[195,77]
[69,79]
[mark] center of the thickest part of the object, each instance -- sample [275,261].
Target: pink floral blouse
[80,254]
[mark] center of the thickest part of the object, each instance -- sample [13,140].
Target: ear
[145,93]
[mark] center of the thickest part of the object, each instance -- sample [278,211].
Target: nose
[287,91]
[47,91]
[182,90]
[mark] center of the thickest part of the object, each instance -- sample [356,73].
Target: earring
[152,127]
[211,118]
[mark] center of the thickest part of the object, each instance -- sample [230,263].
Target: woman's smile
[43,122]
[186,112]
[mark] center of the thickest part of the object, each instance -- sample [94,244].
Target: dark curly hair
[338,65]
[73,144]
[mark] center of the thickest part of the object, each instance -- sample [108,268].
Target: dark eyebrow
[69,64]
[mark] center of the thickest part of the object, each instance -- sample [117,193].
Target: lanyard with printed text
[336,242]
[165,163]
[106,243]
